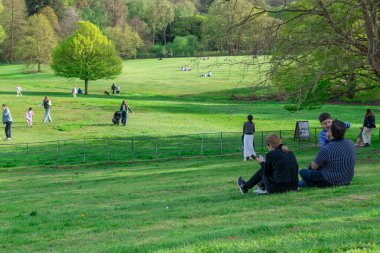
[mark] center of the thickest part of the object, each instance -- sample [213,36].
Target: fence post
[57,154]
[202,144]
[262,140]
[108,149]
[221,143]
[133,151]
[84,150]
[27,155]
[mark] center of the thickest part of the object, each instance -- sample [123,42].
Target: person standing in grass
[18,91]
[334,164]
[47,105]
[124,112]
[278,171]
[248,132]
[368,125]
[29,117]
[113,88]
[7,121]
[74,91]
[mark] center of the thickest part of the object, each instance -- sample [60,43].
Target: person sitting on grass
[278,171]
[334,164]
[325,134]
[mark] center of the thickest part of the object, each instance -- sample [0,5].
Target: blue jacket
[7,117]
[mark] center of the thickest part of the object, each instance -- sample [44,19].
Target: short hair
[324,116]
[3,105]
[273,140]
[338,129]
[250,117]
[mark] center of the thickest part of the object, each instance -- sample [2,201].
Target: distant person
[29,117]
[117,90]
[113,88]
[359,140]
[80,91]
[18,91]
[124,112]
[7,121]
[46,103]
[248,132]
[278,171]
[209,74]
[335,162]
[368,125]
[325,134]
[74,91]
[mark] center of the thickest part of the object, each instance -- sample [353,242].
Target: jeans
[312,178]
[8,129]
[124,117]
[47,115]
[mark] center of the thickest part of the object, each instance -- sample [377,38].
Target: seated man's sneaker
[241,183]
[261,192]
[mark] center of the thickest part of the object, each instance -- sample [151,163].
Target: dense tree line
[136,27]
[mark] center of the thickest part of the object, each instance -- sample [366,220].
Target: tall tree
[96,14]
[117,12]
[39,41]
[87,55]
[52,17]
[126,40]
[2,34]
[14,20]
[68,23]
[161,13]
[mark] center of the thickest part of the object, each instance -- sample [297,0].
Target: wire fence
[92,150]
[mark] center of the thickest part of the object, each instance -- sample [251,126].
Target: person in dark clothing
[334,164]
[113,88]
[278,172]
[368,125]
[248,137]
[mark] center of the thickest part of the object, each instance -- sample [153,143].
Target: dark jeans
[123,118]
[8,129]
[312,178]
[260,179]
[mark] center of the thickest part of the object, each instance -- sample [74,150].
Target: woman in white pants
[248,135]
[369,124]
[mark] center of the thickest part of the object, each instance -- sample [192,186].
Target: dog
[106,92]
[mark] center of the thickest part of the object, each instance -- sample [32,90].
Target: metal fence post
[221,142]
[84,150]
[57,154]
[27,155]
[202,144]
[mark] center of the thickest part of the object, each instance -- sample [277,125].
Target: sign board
[302,131]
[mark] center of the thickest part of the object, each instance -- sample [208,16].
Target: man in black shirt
[278,172]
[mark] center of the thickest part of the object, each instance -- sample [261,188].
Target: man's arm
[321,158]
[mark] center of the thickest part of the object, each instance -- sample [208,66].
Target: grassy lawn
[184,206]
[181,205]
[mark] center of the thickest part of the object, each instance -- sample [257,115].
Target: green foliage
[2,33]
[39,41]
[96,14]
[87,55]
[184,46]
[126,40]
[192,25]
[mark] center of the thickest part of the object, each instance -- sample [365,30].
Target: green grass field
[178,205]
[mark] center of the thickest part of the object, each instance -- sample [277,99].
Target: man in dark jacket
[278,172]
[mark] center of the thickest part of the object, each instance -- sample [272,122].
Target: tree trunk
[86,87]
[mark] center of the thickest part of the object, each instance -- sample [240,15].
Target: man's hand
[314,166]
[329,134]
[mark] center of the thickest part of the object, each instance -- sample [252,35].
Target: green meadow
[181,204]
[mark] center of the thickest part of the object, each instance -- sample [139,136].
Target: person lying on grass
[278,171]
[334,164]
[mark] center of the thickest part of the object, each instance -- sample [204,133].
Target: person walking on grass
[248,132]
[18,91]
[74,91]
[46,103]
[29,117]
[124,112]
[278,171]
[7,121]
[368,125]
[334,163]
[113,88]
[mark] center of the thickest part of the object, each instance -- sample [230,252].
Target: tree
[117,12]
[96,14]
[126,40]
[68,23]
[2,34]
[39,41]
[87,54]
[52,17]
[184,46]
[14,21]
[161,13]
[192,25]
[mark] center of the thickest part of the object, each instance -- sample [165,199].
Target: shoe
[241,183]
[261,185]
[253,157]
[366,145]
[260,192]
[9,139]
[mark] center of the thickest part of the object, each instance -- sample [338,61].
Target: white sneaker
[260,192]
